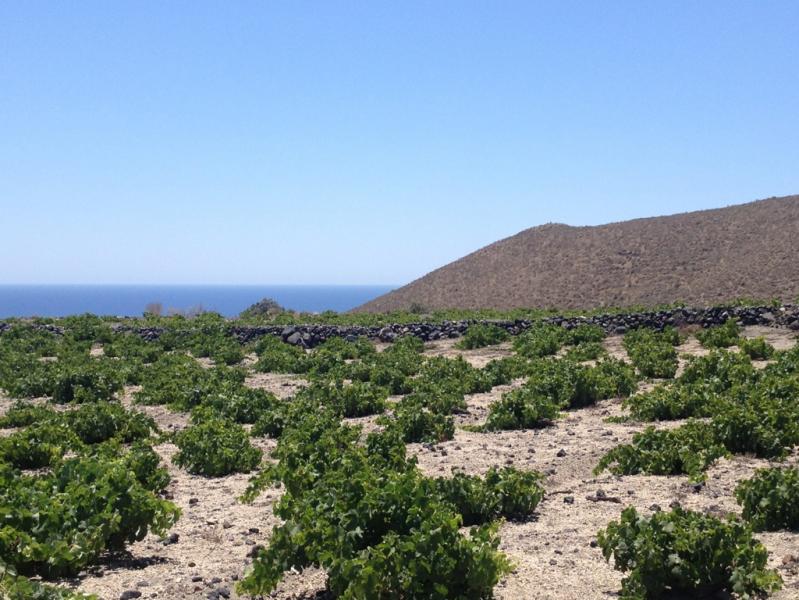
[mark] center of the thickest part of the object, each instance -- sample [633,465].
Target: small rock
[130,595]
[226,524]
[593,543]
[193,501]
[561,453]
[655,508]
[568,499]
[172,538]
[196,578]
[254,530]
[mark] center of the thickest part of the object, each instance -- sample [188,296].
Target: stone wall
[312,335]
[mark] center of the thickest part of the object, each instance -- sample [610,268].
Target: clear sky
[370,142]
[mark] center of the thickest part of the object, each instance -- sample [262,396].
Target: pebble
[130,595]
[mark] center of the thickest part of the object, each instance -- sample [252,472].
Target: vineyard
[559,463]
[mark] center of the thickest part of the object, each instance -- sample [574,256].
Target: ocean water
[131,300]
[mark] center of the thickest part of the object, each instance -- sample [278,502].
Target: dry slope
[700,258]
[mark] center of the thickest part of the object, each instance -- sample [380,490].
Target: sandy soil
[553,551]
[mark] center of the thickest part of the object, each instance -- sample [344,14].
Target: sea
[131,300]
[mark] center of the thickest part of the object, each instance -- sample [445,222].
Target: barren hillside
[704,257]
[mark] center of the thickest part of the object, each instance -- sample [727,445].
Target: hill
[701,258]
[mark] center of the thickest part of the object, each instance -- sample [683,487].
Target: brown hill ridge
[701,258]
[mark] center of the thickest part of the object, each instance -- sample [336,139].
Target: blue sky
[370,142]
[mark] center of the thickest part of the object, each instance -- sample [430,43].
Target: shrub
[756,348]
[98,422]
[584,334]
[131,346]
[573,385]
[179,381]
[438,399]
[276,356]
[16,587]
[523,408]
[539,341]
[143,461]
[502,371]
[454,374]
[87,381]
[433,561]
[686,552]
[24,375]
[613,378]
[759,425]
[391,368]
[770,499]
[418,424]
[87,327]
[274,421]
[216,447]
[688,449]
[718,371]
[263,309]
[368,518]
[351,400]
[40,445]
[652,353]
[504,492]
[480,335]
[239,403]
[722,336]
[60,522]
[668,403]
[586,351]
[22,414]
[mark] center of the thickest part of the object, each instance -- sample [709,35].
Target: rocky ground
[554,552]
